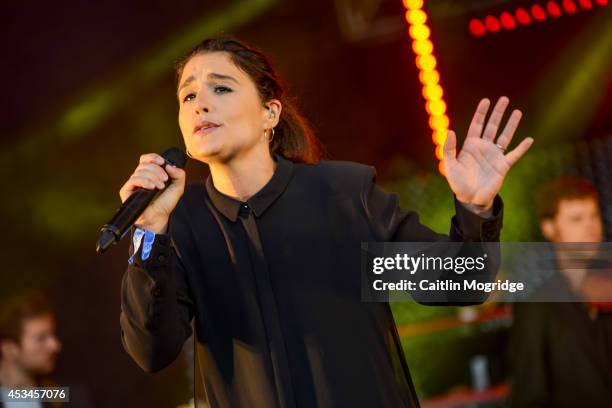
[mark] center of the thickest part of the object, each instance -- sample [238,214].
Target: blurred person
[28,344]
[561,353]
[265,254]
[29,348]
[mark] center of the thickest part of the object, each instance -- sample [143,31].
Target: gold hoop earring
[189,154]
[271,137]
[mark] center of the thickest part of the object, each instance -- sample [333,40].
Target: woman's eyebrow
[221,76]
[212,75]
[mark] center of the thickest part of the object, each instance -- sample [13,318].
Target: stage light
[440,152]
[419,32]
[426,62]
[538,13]
[436,107]
[569,6]
[439,136]
[422,47]
[477,28]
[507,21]
[522,16]
[416,17]
[492,24]
[439,124]
[413,4]
[553,9]
[432,92]
[429,77]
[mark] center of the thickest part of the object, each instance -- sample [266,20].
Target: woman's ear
[274,108]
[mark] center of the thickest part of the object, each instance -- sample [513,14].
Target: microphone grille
[175,156]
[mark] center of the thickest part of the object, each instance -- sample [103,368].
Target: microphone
[134,206]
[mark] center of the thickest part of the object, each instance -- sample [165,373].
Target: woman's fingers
[135,182]
[506,136]
[153,171]
[148,175]
[152,158]
[153,178]
[475,129]
[144,181]
[495,119]
[518,152]
[174,172]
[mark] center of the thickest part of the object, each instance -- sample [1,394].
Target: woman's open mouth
[205,128]
[206,131]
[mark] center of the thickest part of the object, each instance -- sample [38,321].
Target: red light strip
[428,75]
[537,13]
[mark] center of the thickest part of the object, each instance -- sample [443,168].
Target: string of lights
[429,76]
[521,17]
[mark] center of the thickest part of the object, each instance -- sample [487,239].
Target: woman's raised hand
[477,173]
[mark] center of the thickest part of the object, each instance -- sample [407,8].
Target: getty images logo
[413,264]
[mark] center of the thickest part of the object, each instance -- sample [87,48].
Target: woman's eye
[222,89]
[188,97]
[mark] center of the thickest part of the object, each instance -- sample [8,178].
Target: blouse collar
[260,201]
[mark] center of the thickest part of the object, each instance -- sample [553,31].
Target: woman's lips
[206,130]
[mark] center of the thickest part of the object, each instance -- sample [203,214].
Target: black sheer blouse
[274,287]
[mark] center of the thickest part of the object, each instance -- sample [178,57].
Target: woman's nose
[201,105]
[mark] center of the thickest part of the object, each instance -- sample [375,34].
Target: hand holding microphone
[149,196]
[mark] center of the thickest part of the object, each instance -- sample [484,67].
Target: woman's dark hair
[293,136]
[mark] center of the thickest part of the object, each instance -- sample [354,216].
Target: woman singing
[265,254]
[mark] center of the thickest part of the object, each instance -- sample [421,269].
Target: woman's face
[220,113]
